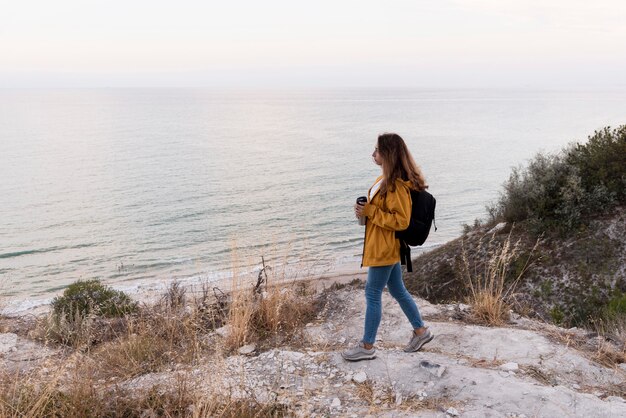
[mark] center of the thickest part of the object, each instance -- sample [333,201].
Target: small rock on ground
[360,377]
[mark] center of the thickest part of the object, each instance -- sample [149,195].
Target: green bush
[557,315]
[83,298]
[616,306]
[560,192]
[602,162]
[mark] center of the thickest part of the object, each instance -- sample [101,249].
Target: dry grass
[101,355]
[365,392]
[489,292]
[543,377]
[172,331]
[609,355]
[167,333]
[36,395]
[278,311]
[612,352]
[604,351]
[384,398]
[613,327]
[77,332]
[267,311]
[240,311]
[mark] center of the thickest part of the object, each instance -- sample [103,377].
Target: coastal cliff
[528,312]
[523,367]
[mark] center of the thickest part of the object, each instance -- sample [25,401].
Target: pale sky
[323,43]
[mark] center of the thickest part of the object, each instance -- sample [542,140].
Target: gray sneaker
[359,353]
[417,341]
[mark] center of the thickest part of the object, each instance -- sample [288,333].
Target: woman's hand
[358,210]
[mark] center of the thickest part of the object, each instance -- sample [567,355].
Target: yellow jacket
[385,216]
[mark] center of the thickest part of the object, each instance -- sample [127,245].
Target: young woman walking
[388,209]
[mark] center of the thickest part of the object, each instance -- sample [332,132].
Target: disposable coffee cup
[362,201]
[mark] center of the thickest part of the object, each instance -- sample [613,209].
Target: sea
[142,187]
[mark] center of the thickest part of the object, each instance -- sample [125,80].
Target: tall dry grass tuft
[611,343]
[169,332]
[240,311]
[488,280]
[283,310]
[279,310]
[76,331]
[276,306]
[36,392]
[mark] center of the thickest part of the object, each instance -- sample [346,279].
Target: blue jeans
[377,279]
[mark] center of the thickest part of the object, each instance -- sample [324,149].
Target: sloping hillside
[564,217]
[567,280]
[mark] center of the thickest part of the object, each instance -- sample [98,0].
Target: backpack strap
[405,256]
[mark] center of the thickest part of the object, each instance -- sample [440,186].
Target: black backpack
[422,218]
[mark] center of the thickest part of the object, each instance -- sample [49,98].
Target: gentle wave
[43,250]
[29,252]
[185,183]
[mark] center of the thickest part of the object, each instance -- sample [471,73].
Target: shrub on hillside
[561,191]
[83,298]
[602,162]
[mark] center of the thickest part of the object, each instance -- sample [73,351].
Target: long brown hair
[398,163]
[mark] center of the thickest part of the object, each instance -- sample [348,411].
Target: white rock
[463,307]
[452,412]
[398,399]
[360,377]
[291,355]
[433,368]
[246,350]
[622,366]
[509,367]
[497,228]
[615,399]
[336,403]
[223,331]
[8,342]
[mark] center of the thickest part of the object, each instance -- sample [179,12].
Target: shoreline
[149,291]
